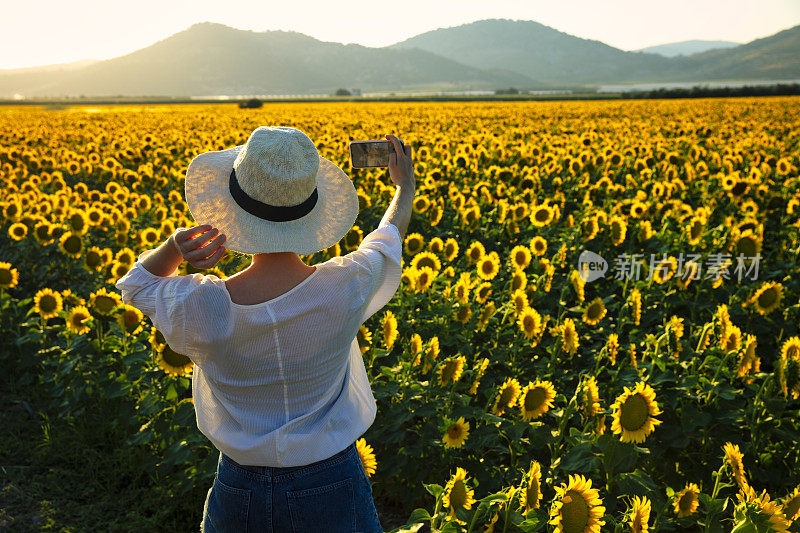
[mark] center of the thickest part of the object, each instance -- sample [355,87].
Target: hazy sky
[38,32]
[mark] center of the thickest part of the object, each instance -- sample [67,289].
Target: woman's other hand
[201,245]
[401,167]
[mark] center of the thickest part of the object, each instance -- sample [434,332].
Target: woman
[279,384]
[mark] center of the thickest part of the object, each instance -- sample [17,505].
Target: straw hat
[273,194]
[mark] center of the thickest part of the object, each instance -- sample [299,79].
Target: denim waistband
[271,473]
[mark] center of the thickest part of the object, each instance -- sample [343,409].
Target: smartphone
[370,154]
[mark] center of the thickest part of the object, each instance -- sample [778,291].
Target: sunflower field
[516,392]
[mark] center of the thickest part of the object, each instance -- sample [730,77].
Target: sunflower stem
[716,374]
[511,495]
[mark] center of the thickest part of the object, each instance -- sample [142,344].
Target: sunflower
[530,322]
[48,303]
[77,222]
[479,370]
[415,348]
[413,244]
[9,277]
[172,362]
[749,362]
[409,279]
[450,250]
[538,246]
[475,252]
[18,231]
[541,215]
[389,327]
[569,336]
[577,507]
[634,412]
[733,460]
[450,370]
[428,259]
[748,244]
[367,457]
[519,280]
[488,266]
[423,278]
[43,233]
[520,256]
[767,298]
[506,396]
[639,515]
[457,495]
[364,338]
[93,261]
[487,311]
[456,433]
[78,318]
[431,354]
[686,501]
[664,270]
[463,314]
[590,398]
[594,312]
[461,288]
[149,236]
[103,302]
[536,399]
[130,319]
[531,494]
[758,513]
[791,504]
[618,230]
[71,244]
[578,284]
[483,291]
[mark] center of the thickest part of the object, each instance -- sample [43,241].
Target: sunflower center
[575,513]
[768,298]
[792,507]
[458,494]
[78,318]
[72,244]
[534,399]
[746,246]
[454,431]
[174,358]
[104,304]
[131,319]
[685,502]
[48,303]
[487,267]
[541,215]
[5,276]
[594,311]
[506,396]
[634,413]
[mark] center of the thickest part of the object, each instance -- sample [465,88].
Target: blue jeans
[333,495]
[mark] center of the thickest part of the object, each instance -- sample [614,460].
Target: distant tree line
[780,89]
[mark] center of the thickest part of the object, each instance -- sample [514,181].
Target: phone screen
[370,154]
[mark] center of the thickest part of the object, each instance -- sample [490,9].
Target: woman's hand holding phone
[401,167]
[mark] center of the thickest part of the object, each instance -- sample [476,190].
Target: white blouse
[280,383]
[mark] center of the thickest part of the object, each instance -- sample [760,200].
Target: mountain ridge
[210,58]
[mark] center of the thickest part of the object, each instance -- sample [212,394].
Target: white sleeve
[161,298]
[379,262]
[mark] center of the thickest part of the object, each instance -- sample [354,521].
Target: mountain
[214,59]
[686,48]
[537,51]
[48,68]
[776,57]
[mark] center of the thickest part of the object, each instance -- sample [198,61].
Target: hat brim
[210,202]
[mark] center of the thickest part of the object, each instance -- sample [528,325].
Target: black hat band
[274,213]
